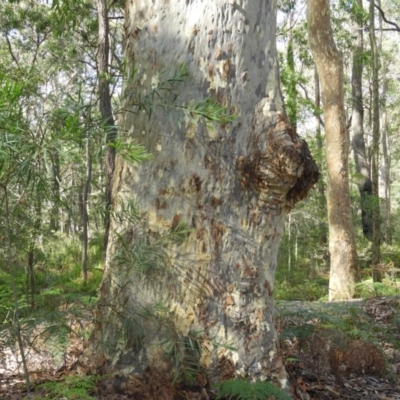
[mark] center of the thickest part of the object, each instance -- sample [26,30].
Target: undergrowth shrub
[7,305]
[242,389]
[299,287]
[390,286]
[74,387]
[184,353]
[339,338]
[56,306]
[62,252]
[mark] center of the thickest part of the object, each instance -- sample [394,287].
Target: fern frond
[242,389]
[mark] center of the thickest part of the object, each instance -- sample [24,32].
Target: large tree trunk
[195,271]
[357,130]
[342,248]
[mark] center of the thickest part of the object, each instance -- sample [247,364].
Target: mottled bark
[376,239]
[198,265]
[357,130]
[105,109]
[328,60]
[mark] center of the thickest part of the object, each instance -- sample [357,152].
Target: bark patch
[278,165]
[308,178]
[196,182]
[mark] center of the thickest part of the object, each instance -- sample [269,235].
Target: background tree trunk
[376,215]
[357,130]
[342,248]
[386,159]
[55,222]
[320,146]
[197,264]
[105,108]
[85,208]
[291,101]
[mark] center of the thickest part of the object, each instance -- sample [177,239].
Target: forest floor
[340,350]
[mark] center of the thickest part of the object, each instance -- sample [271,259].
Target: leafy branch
[130,151]
[164,94]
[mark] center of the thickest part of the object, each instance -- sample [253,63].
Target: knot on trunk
[278,165]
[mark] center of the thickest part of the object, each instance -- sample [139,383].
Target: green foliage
[289,80]
[359,325]
[180,232]
[48,107]
[210,110]
[71,14]
[165,93]
[345,319]
[369,203]
[300,332]
[242,389]
[300,42]
[62,252]
[6,301]
[146,257]
[184,353]
[354,9]
[368,288]
[301,285]
[60,295]
[7,305]
[75,387]
[303,258]
[130,151]
[128,212]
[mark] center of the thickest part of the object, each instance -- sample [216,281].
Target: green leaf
[130,151]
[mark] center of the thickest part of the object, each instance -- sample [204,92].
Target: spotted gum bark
[328,60]
[212,200]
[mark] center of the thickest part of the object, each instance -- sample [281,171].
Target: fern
[73,388]
[300,332]
[242,389]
